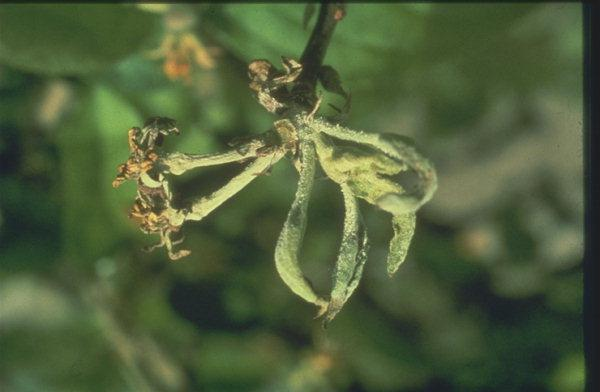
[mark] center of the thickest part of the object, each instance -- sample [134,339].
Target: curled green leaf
[351,258]
[290,238]
[366,171]
[398,149]
[404,228]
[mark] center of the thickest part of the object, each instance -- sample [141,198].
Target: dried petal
[153,130]
[269,84]
[152,207]
[260,70]
[268,102]
[292,69]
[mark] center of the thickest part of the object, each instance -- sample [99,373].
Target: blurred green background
[489,298]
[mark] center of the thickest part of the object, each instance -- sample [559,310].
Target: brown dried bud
[292,69]
[339,13]
[269,83]
[260,71]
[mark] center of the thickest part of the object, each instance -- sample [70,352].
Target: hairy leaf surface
[290,239]
[404,228]
[351,258]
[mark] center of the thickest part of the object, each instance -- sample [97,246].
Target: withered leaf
[269,84]
[260,70]
[292,70]
[268,102]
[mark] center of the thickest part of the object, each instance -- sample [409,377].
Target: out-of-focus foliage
[71,39]
[489,298]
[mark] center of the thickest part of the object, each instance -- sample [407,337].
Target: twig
[315,50]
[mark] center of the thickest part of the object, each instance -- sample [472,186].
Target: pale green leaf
[404,228]
[351,258]
[290,239]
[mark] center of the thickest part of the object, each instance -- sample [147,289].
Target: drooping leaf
[71,39]
[404,228]
[290,239]
[351,257]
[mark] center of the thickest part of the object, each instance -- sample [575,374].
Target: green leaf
[255,31]
[84,222]
[71,39]
[92,143]
[351,258]
[373,158]
[239,361]
[309,11]
[382,32]
[290,239]
[404,228]
[112,118]
[381,357]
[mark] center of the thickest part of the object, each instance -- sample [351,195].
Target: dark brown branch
[315,50]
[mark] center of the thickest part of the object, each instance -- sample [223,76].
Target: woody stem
[314,52]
